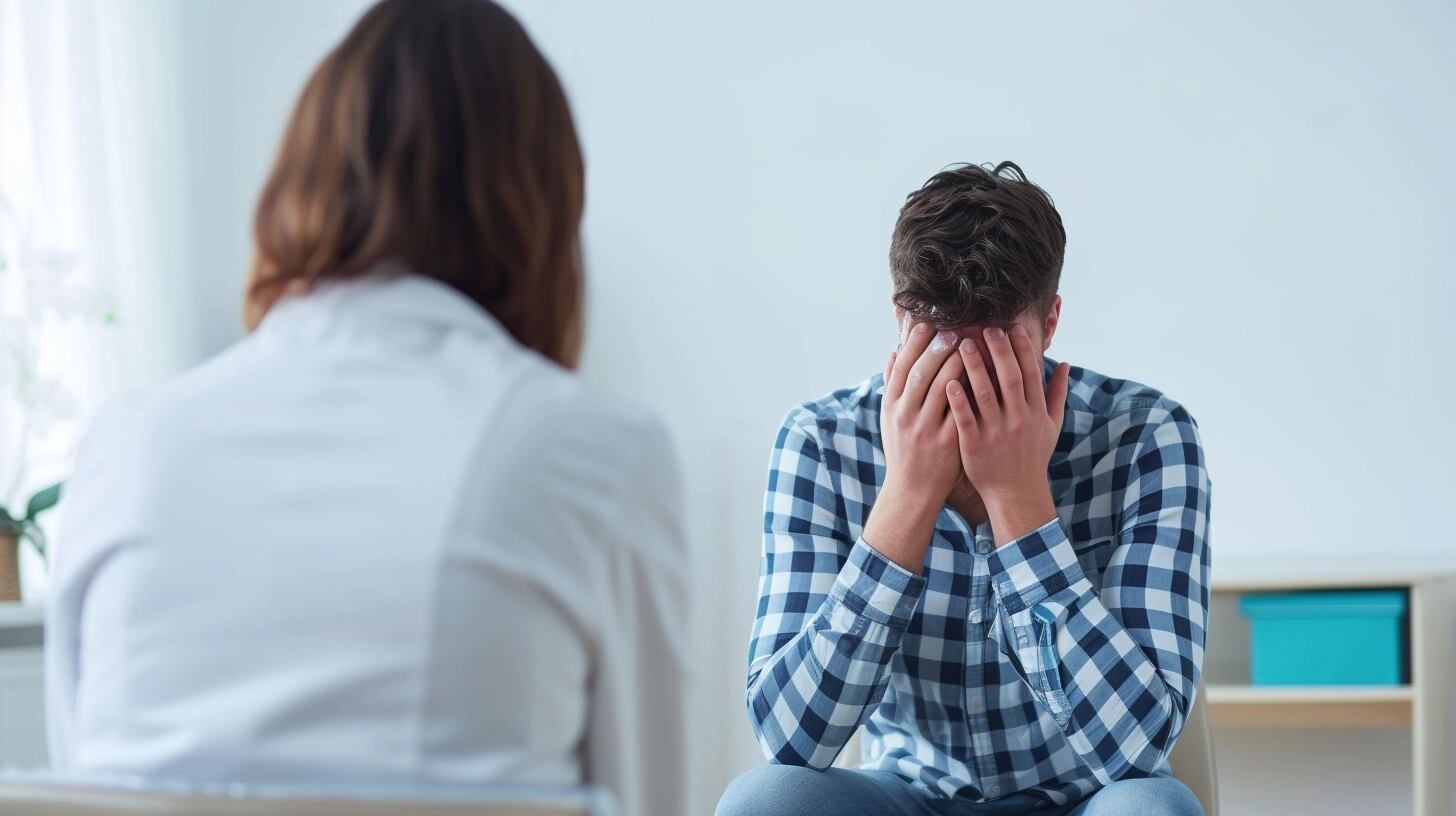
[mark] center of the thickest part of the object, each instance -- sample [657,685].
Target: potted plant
[17,526]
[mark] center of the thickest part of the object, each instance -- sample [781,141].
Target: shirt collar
[385,295]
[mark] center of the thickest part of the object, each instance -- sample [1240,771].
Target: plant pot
[9,567]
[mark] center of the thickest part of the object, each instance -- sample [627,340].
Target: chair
[1192,757]
[41,797]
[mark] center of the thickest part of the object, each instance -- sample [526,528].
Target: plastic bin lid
[1386,603]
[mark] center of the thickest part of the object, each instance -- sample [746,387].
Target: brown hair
[435,137]
[977,246]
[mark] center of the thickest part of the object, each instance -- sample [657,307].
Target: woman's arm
[637,739]
[92,514]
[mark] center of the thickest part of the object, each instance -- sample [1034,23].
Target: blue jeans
[787,790]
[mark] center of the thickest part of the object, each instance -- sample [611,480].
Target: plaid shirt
[1044,669]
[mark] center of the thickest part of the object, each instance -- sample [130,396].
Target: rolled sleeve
[1026,570]
[877,588]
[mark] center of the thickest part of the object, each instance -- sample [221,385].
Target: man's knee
[1160,796]
[775,790]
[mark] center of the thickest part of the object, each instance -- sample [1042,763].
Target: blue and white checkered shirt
[1044,669]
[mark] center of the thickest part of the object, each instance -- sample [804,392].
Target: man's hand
[1006,442]
[919,437]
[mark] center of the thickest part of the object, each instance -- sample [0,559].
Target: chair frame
[42,794]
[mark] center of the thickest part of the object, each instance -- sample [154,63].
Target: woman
[388,538]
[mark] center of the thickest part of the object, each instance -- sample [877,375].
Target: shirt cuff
[876,587]
[1028,569]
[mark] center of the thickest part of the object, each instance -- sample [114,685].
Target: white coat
[377,541]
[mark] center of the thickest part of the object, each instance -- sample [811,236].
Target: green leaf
[37,539]
[43,501]
[5,517]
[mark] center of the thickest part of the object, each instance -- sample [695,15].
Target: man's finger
[950,371]
[982,390]
[1008,371]
[1030,363]
[915,343]
[917,384]
[960,410]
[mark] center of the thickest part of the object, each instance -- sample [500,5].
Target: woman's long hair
[437,138]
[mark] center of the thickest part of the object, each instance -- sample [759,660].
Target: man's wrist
[901,523]
[907,499]
[1015,512]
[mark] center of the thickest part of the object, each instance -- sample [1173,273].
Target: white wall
[1255,197]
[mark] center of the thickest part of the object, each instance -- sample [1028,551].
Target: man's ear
[1049,327]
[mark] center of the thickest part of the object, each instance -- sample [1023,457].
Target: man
[996,564]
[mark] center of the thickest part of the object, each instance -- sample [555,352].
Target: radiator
[22,709]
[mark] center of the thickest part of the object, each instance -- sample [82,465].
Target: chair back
[1192,757]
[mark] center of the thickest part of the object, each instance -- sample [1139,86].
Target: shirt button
[993,789]
[977,706]
[975,616]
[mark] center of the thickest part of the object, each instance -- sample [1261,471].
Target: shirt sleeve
[1119,668]
[831,611]
[92,504]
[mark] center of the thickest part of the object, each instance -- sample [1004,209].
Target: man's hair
[977,246]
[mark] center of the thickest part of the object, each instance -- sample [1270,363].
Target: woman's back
[375,541]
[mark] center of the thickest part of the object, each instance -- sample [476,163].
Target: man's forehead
[975,329]
[970,330]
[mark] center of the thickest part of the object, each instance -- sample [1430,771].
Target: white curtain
[78,239]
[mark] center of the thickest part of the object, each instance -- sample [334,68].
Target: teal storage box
[1327,637]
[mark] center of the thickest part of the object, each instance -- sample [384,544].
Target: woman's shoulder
[564,474]
[564,421]
[552,424]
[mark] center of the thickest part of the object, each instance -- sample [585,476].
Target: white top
[377,542]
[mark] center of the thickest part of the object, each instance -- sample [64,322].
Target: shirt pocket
[1046,676]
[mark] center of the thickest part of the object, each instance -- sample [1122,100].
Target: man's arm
[1117,670]
[832,610]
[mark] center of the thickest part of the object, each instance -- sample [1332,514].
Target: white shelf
[21,615]
[1242,706]
[1282,695]
[1280,573]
